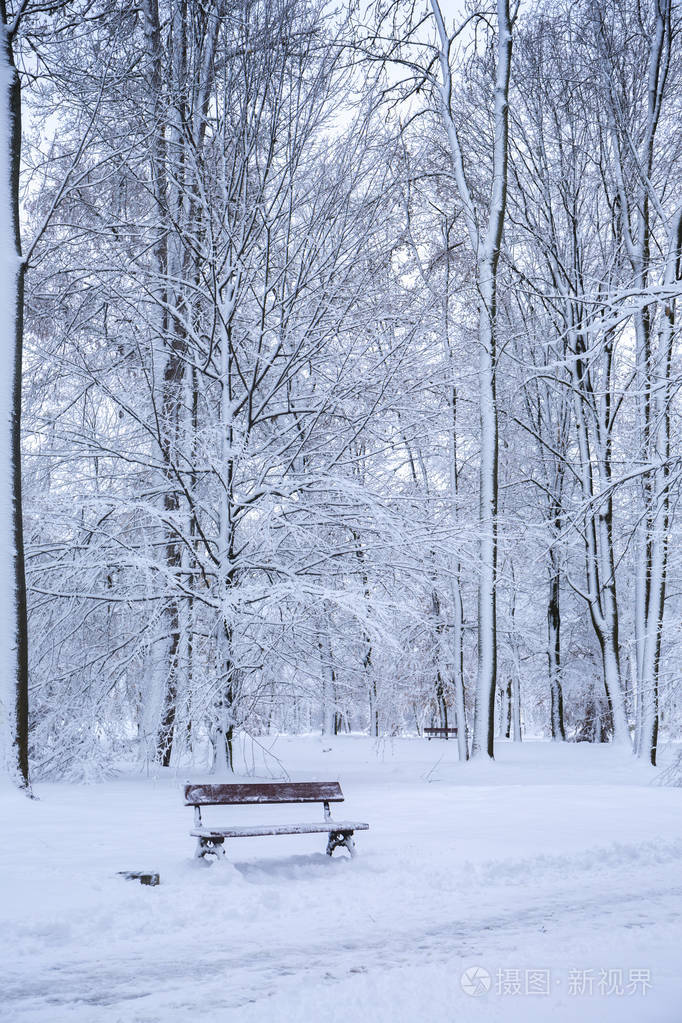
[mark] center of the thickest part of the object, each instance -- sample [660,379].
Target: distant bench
[439,733]
[211,840]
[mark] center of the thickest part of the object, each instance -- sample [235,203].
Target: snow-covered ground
[553,875]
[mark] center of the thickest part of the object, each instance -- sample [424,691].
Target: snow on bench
[211,840]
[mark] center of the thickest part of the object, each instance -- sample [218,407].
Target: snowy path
[295,937]
[90,983]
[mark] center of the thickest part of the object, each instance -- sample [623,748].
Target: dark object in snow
[143,876]
[211,840]
[439,733]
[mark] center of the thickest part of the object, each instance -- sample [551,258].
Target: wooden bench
[211,840]
[439,733]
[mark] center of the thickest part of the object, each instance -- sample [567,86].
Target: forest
[343,366]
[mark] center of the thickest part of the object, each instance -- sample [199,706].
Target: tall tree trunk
[13,615]
[637,199]
[554,649]
[457,632]
[485,234]
[458,674]
[483,738]
[515,684]
[227,667]
[368,668]
[168,361]
[648,663]
[329,710]
[504,714]
[598,537]
[172,392]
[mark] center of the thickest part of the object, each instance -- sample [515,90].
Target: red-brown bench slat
[267,792]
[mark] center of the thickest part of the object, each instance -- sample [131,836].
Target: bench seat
[279,829]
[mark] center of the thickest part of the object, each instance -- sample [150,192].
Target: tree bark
[13,617]
[554,650]
[485,241]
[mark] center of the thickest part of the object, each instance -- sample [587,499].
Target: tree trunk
[554,650]
[649,660]
[504,719]
[486,239]
[13,615]
[458,674]
[515,684]
[598,540]
[484,711]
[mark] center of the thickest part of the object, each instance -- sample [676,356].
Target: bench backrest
[268,792]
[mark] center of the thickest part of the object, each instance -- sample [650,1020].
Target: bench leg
[209,847]
[337,838]
[350,844]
